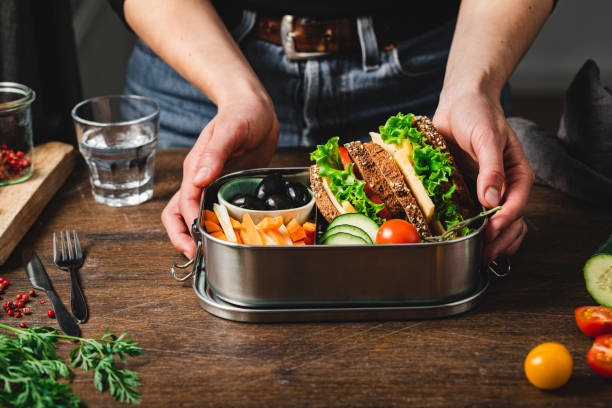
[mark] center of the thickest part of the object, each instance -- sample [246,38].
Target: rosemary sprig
[30,367]
[451,232]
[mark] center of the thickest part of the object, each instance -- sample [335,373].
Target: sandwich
[423,157]
[406,172]
[362,178]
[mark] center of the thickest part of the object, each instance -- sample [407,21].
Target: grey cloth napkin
[578,160]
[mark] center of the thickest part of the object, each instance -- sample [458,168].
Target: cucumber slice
[342,238]
[598,274]
[349,229]
[357,220]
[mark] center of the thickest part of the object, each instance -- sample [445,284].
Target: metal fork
[70,260]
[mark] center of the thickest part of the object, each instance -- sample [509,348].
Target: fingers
[506,243]
[245,131]
[219,139]
[519,179]
[488,148]
[477,124]
[175,227]
[205,162]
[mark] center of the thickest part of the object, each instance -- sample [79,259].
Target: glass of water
[117,136]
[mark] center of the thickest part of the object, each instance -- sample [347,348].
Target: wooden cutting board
[22,203]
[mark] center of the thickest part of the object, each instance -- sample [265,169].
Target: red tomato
[397,231]
[599,356]
[346,160]
[371,194]
[344,156]
[594,320]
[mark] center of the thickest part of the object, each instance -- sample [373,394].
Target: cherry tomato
[548,366]
[344,156]
[397,231]
[594,320]
[599,356]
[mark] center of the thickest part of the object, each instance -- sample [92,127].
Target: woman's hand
[490,39]
[190,36]
[476,123]
[242,135]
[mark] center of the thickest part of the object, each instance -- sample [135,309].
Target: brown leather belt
[305,38]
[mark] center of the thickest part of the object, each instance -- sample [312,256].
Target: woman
[340,71]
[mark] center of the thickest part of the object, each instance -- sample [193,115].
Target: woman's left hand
[476,123]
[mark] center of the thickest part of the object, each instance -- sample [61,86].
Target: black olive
[278,202]
[297,193]
[272,184]
[248,201]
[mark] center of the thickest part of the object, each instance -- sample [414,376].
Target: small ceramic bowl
[248,185]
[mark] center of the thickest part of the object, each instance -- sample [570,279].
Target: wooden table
[195,359]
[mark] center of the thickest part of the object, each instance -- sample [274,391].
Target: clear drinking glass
[15,133]
[117,136]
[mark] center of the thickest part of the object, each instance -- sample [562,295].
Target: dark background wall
[575,32]
[103,46]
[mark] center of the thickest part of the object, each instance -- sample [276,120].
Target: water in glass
[120,160]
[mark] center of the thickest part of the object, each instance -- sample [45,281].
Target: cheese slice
[389,147]
[401,156]
[402,159]
[348,207]
[407,149]
[332,197]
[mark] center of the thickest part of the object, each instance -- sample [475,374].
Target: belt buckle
[288,43]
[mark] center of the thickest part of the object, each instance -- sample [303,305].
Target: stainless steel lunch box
[317,276]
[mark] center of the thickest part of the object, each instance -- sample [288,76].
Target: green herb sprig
[452,231]
[30,367]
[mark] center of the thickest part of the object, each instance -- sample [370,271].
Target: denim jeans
[346,95]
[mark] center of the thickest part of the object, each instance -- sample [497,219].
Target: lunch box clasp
[500,267]
[195,261]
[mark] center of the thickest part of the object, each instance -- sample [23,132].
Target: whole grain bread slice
[369,171]
[462,195]
[324,204]
[397,184]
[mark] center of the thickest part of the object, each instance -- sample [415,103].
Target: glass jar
[16,140]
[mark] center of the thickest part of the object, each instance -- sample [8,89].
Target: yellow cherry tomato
[548,366]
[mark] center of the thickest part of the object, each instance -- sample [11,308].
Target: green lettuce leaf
[327,155]
[342,182]
[431,165]
[397,128]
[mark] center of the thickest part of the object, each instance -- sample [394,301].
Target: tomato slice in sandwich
[370,193]
[344,156]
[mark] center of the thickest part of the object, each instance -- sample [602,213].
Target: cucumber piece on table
[349,229]
[598,274]
[343,238]
[357,220]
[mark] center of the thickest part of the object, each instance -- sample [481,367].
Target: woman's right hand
[242,135]
[190,36]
